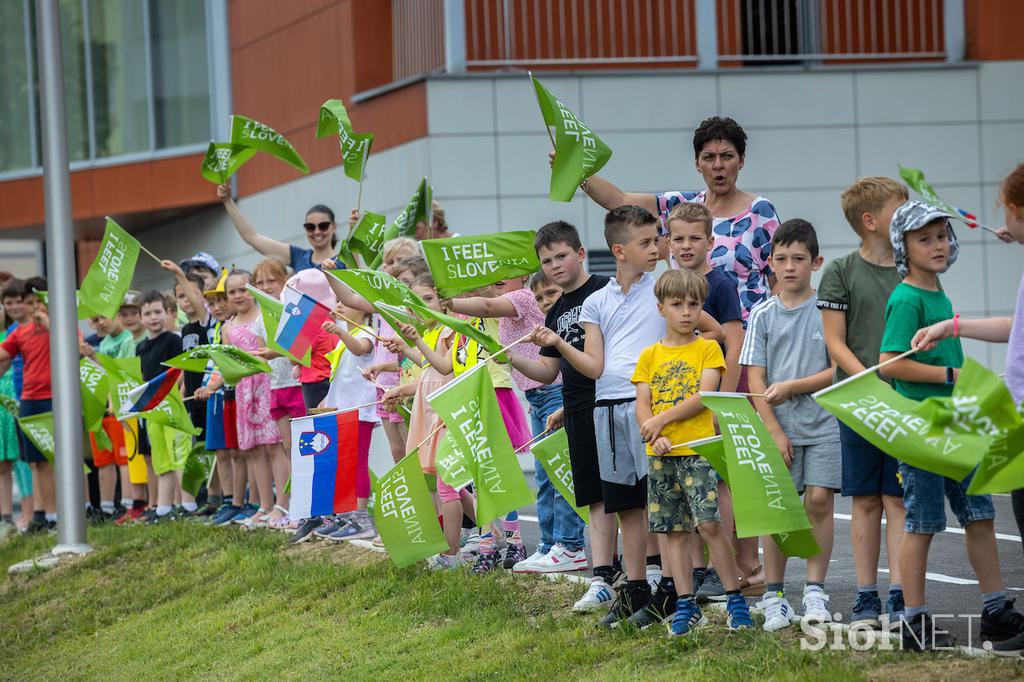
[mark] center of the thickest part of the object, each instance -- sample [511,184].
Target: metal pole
[454,36]
[707,35]
[953,23]
[60,257]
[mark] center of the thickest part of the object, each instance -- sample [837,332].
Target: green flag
[469,408]
[1002,466]
[39,429]
[915,178]
[270,309]
[891,423]
[171,412]
[11,405]
[95,392]
[84,312]
[387,295]
[251,134]
[980,404]
[110,275]
[765,500]
[233,363]
[222,160]
[197,469]
[123,374]
[793,543]
[346,255]
[461,264]
[464,327]
[418,210]
[579,153]
[355,147]
[405,514]
[453,466]
[368,236]
[553,454]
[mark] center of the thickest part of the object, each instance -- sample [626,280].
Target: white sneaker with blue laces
[814,604]
[778,613]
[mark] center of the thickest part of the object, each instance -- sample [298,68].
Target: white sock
[51,517]
[107,506]
[189,506]
[163,510]
[127,502]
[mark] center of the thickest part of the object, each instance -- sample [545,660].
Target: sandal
[752,584]
[280,523]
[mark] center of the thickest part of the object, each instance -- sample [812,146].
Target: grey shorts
[621,451]
[820,465]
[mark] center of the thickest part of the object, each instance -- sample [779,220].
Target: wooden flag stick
[149,253]
[362,177]
[540,436]
[492,356]
[339,316]
[429,436]
[546,127]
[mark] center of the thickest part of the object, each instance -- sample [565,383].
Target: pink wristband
[956,325]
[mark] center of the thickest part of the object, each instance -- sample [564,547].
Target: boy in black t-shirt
[160,345]
[561,255]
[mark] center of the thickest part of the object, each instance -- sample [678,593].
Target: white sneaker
[599,596]
[443,562]
[814,604]
[472,546]
[777,612]
[653,576]
[560,559]
[528,565]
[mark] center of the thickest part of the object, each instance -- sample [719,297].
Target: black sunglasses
[323,227]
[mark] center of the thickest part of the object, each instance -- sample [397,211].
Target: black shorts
[314,394]
[620,498]
[586,476]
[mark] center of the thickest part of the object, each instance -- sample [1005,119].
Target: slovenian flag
[324,453]
[301,320]
[150,394]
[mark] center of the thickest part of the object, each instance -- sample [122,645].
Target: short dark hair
[326,210]
[719,128]
[154,296]
[12,289]
[539,280]
[558,232]
[797,230]
[619,223]
[33,284]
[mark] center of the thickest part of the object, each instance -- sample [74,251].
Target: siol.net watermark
[837,636]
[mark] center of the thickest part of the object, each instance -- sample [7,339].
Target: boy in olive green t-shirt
[923,247]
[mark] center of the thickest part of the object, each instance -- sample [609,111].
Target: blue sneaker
[688,616]
[739,613]
[226,515]
[867,609]
[894,607]
[246,512]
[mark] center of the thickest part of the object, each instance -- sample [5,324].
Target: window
[136,78]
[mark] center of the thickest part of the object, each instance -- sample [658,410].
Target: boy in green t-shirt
[923,247]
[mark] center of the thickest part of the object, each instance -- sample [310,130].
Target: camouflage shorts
[682,493]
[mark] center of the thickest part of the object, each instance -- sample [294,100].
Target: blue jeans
[559,523]
[923,493]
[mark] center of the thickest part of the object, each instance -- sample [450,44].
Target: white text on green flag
[461,264]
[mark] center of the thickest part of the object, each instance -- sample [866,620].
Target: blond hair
[417,265]
[682,285]
[690,212]
[393,246]
[869,195]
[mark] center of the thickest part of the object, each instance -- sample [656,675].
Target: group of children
[619,363]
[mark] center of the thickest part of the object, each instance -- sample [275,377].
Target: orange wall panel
[21,202]
[993,29]
[258,18]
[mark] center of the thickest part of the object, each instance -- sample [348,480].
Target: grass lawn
[182,601]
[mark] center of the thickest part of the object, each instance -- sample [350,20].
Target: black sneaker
[305,531]
[513,555]
[332,525]
[920,634]
[698,578]
[711,588]
[206,510]
[618,575]
[630,599]
[147,516]
[1012,646]
[1002,625]
[661,607]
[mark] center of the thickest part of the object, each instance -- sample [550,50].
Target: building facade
[827,90]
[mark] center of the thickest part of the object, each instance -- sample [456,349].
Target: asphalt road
[951,585]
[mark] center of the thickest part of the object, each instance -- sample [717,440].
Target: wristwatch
[949,376]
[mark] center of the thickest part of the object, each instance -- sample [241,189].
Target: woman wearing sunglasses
[320,231]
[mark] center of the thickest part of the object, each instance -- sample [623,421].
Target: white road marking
[949,529]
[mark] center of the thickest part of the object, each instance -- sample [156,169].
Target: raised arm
[262,243]
[479,306]
[192,293]
[347,296]
[609,196]
[991,329]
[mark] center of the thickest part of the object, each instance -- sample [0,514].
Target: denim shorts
[866,469]
[925,494]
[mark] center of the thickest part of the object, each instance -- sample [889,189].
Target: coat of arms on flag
[324,453]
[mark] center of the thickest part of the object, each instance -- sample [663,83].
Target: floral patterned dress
[252,394]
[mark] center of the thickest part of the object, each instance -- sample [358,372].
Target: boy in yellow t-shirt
[681,485]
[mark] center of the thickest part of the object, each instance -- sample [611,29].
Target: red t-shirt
[319,366]
[33,342]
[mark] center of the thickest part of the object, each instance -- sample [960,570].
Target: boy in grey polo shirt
[787,361]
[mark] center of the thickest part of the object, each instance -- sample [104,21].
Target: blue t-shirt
[302,259]
[17,366]
[723,301]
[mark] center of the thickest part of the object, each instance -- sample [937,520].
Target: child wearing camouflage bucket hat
[924,247]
